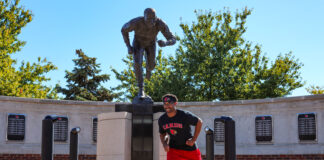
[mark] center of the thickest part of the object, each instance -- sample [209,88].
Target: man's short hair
[169,98]
[149,11]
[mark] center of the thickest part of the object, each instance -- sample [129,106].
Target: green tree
[28,79]
[83,83]
[315,89]
[156,87]
[215,62]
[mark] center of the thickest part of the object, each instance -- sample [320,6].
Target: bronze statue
[146,29]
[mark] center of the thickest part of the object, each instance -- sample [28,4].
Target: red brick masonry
[275,157]
[217,157]
[38,157]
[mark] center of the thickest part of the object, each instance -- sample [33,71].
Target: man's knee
[150,66]
[137,66]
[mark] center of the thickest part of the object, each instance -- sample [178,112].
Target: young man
[176,123]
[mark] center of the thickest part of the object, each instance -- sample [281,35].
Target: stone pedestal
[114,136]
[158,151]
[142,129]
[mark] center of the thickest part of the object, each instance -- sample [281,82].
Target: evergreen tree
[28,79]
[84,81]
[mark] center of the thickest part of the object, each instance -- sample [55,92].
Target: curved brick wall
[285,144]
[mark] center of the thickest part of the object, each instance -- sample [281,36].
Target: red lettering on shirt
[172,125]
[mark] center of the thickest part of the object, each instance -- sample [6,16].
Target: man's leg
[175,154]
[138,60]
[150,60]
[192,155]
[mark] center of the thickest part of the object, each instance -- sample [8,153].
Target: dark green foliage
[214,62]
[217,63]
[84,81]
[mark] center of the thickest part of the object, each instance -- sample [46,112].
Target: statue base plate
[142,100]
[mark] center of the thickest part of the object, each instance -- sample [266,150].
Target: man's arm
[191,141]
[164,143]
[128,27]
[171,40]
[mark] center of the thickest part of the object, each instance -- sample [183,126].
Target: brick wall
[274,157]
[38,157]
[217,157]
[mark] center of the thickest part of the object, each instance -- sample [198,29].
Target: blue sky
[60,27]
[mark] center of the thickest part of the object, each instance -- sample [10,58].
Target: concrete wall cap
[206,103]
[53,101]
[252,101]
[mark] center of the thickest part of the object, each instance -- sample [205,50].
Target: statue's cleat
[141,93]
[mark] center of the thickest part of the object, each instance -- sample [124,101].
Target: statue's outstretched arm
[171,40]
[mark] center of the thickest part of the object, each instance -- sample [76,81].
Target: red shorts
[177,154]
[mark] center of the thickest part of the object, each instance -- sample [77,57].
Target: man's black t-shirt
[178,127]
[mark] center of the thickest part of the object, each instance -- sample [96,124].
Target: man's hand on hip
[190,142]
[166,147]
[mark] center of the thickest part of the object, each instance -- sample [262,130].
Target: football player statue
[144,43]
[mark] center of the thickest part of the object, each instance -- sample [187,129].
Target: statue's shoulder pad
[137,19]
[160,21]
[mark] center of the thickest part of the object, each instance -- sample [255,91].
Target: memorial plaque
[16,127]
[94,128]
[219,131]
[61,129]
[307,126]
[263,128]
